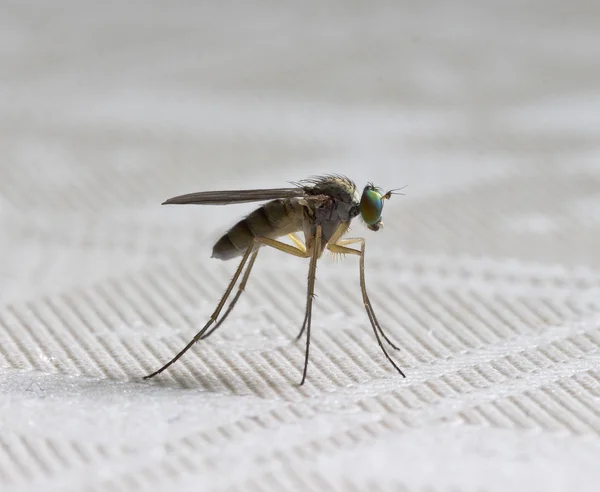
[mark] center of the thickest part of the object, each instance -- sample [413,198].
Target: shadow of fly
[322,208]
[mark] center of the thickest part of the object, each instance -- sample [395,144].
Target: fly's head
[371,205]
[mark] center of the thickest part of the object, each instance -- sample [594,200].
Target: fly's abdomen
[273,219]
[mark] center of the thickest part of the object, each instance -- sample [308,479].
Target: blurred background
[488,111]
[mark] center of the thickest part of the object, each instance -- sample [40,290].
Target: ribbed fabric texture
[486,274]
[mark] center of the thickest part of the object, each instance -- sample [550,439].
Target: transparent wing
[234,196]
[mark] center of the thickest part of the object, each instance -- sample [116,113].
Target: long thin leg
[299,336]
[244,281]
[241,288]
[286,248]
[341,243]
[297,241]
[213,317]
[301,251]
[335,248]
[340,248]
[299,244]
[310,294]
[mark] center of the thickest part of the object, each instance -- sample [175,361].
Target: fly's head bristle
[334,180]
[337,186]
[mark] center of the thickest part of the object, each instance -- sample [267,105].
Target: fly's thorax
[272,220]
[330,214]
[339,188]
[334,198]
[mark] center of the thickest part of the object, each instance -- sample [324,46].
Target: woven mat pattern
[487,272]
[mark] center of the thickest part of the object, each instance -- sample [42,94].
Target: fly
[322,208]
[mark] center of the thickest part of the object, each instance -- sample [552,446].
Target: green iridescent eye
[371,205]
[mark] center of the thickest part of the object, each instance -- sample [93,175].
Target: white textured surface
[487,273]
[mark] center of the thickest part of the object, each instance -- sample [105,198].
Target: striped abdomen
[273,219]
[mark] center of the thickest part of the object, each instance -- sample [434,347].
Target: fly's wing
[235,196]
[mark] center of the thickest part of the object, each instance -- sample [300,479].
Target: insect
[322,208]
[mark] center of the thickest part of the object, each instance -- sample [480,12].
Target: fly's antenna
[395,191]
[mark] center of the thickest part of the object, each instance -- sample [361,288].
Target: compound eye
[371,206]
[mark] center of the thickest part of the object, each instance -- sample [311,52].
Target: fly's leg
[213,317]
[297,241]
[354,240]
[301,251]
[341,248]
[310,295]
[299,245]
[299,336]
[258,241]
[241,288]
